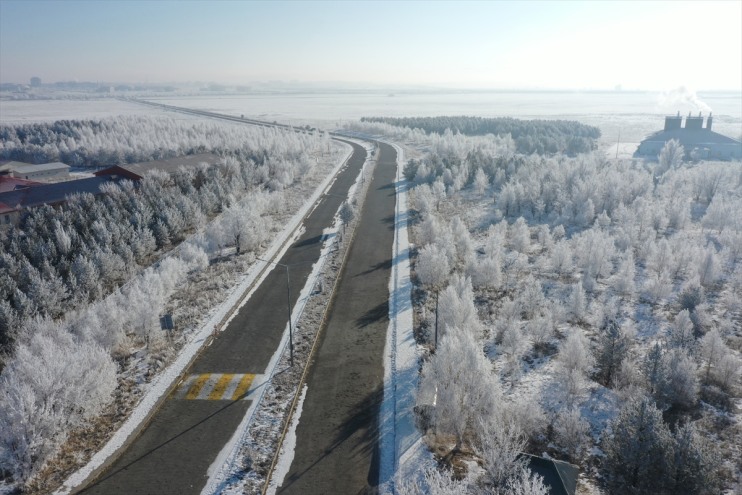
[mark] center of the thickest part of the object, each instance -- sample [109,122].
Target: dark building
[697,140]
[28,195]
[135,171]
[559,477]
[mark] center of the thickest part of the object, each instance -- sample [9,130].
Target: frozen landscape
[481,248]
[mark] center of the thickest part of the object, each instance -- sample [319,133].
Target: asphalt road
[173,453]
[337,435]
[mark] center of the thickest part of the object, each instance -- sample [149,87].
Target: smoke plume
[682,99]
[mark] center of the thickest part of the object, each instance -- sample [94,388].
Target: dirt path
[337,444]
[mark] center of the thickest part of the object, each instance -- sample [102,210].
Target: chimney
[672,123]
[694,123]
[708,122]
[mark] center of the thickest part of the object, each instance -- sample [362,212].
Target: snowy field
[632,114]
[621,116]
[29,111]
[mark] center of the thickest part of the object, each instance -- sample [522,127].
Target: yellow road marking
[243,386]
[220,387]
[197,386]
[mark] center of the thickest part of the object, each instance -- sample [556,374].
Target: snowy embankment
[400,441]
[169,377]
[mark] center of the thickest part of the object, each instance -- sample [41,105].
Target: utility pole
[288,307]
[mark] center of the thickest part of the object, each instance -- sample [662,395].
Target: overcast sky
[575,45]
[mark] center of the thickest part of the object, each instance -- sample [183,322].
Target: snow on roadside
[286,457]
[172,373]
[401,447]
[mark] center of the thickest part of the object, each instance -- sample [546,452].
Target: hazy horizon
[481,46]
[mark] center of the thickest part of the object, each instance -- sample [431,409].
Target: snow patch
[288,448]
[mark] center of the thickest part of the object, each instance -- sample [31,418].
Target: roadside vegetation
[82,287]
[588,308]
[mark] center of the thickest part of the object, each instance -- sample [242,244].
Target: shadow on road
[307,242]
[377,313]
[163,444]
[362,429]
[384,265]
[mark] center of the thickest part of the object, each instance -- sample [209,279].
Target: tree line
[132,139]
[543,137]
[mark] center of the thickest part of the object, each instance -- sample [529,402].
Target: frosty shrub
[52,384]
[431,481]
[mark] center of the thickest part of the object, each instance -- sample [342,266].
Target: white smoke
[681,99]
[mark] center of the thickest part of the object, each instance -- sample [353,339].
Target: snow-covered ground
[400,441]
[29,111]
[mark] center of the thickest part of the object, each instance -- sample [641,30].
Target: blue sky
[577,45]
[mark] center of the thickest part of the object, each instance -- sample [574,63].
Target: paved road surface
[173,453]
[337,435]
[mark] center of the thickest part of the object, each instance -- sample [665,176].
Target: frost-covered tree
[680,387]
[719,365]
[520,236]
[572,433]
[696,463]
[463,384]
[614,344]
[711,349]
[577,304]
[639,449]
[499,445]
[561,261]
[526,482]
[433,270]
[485,272]
[709,269]
[481,181]
[623,280]
[457,308]
[681,331]
[671,156]
[462,241]
[574,361]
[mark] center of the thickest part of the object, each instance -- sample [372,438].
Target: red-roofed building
[8,183]
[13,202]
